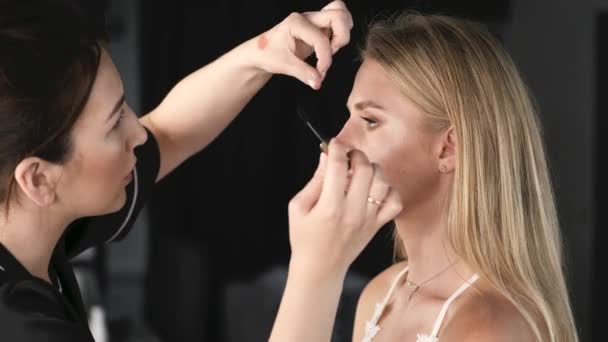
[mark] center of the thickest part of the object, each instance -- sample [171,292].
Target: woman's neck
[31,234]
[429,254]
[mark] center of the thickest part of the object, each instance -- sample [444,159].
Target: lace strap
[394,285]
[447,303]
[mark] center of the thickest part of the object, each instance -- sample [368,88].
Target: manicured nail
[312,84]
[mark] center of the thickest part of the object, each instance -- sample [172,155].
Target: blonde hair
[502,219]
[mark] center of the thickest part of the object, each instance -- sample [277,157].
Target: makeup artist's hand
[330,222]
[283,48]
[333,218]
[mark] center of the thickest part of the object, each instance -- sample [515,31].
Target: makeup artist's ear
[448,150]
[37,179]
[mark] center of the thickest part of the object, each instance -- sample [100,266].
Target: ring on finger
[374,201]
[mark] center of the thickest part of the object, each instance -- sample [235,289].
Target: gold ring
[374,201]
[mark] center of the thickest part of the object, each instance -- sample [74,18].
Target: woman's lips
[129,177]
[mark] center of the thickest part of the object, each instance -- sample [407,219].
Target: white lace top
[372,328]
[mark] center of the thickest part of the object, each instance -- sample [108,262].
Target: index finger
[338,22]
[312,35]
[336,174]
[336,4]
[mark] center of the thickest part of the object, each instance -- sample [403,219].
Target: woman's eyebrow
[367,104]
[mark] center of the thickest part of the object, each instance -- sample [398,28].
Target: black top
[32,309]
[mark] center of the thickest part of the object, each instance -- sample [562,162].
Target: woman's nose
[138,134]
[142,134]
[345,135]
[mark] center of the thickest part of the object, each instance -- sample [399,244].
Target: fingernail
[312,84]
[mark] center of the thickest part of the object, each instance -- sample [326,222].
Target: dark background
[207,260]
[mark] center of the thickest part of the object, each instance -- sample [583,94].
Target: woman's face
[93,181]
[388,128]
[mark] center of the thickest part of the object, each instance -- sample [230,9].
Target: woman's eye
[120,116]
[371,123]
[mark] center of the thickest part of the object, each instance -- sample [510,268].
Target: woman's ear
[448,148]
[37,179]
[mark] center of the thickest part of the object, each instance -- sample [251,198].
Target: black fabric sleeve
[88,232]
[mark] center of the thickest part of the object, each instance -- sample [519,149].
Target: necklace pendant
[413,287]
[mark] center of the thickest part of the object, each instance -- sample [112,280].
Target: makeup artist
[77,165]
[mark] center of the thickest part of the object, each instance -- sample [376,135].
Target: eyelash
[371,123]
[120,116]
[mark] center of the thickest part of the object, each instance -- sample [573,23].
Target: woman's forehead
[106,90]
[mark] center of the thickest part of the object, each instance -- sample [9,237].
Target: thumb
[390,209]
[306,199]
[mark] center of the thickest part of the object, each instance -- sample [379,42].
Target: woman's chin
[121,200]
[117,204]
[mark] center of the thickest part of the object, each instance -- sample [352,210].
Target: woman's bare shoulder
[380,284]
[486,315]
[372,294]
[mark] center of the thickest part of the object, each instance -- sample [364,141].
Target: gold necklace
[415,287]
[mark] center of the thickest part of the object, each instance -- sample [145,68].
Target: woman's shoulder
[30,296]
[379,286]
[30,311]
[373,293]
[485,314]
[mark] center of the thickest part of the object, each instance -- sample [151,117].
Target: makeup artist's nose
[141,136]
[137,133]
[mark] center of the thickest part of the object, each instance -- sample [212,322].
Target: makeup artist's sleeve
[30,312]
[93,231]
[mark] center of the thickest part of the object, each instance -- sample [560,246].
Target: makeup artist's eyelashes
[371,123]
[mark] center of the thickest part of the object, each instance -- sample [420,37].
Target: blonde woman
[439,106]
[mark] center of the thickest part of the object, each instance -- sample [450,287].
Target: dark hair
[48,62]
